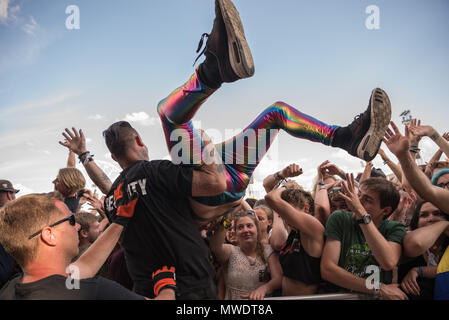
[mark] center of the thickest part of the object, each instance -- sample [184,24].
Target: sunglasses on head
[70,218]
[246,213]
[443,185]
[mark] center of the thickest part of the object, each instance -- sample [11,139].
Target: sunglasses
[246,213]
[443,185]
[70,218]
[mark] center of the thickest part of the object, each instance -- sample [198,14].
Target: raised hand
[350,194]
[290,171]
[395,141]
[422,131]
[413,137]
[74,141]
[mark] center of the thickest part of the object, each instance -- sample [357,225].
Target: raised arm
[296,218]
[421,239]
[366,172]
[76,142]
[71,163]
[430,132]
[219,248]
[292,170]
[399,146]
[397,171]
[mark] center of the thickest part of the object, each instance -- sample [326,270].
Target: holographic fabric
[242,153]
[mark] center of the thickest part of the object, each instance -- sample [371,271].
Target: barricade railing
[331,296]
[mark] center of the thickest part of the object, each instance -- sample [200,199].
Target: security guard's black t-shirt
[150,199]
[58,287]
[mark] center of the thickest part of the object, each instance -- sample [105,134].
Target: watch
[366,219]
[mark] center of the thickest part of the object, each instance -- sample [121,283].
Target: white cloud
[4,4]
[46,102]
[31,27]
[142,118]
[95,117]
[8,13]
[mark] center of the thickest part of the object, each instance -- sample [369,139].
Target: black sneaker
[228,57]
[368,129]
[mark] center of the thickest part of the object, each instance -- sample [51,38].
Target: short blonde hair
[72,178]
[22,217]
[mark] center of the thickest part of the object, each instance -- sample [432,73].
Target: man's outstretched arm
[399,146]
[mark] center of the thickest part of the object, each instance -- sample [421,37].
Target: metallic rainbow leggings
[242,153]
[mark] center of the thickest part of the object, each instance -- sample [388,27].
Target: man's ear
[83,233]
[139,141]
[306,207]
[48,237]
[387,211]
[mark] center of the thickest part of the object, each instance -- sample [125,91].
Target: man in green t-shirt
[362,247]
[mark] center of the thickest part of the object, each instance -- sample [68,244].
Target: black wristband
[85,157]
[278,176]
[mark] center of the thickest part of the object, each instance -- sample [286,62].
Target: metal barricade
[331,296]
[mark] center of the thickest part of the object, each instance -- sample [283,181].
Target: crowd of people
[182,229]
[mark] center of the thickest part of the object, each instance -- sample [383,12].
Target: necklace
[252,261]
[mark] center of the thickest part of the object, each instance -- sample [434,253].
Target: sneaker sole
[239,53]
[380,119]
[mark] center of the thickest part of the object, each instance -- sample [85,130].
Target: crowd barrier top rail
[332,296]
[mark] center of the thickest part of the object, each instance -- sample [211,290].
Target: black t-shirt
[296,263]
[150,199]
[55,288]
[72,203]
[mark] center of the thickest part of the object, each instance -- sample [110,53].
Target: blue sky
[127,55]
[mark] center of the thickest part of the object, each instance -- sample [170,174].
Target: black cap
[7,186]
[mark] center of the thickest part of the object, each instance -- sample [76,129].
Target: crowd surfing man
[228,59]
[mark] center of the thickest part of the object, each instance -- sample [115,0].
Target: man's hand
[392,292]
[421,131]
[74,141]
[395,141]
[409,283]
[330,169]
[414,138]
[351,197]
[290,171]
[96,204]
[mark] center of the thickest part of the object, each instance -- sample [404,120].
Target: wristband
[322,185]
[164,278]
[278,176]
[226,223]
[85,157]
[414,149]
